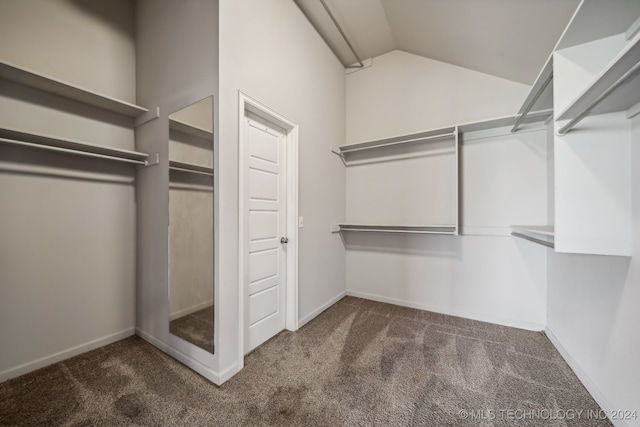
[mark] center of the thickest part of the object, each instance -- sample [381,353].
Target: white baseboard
[514,323]
[189,310]
[65,354]
[215,377]
[584,378]
[306,319]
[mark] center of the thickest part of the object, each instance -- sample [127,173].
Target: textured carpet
[358,363]
[196,328]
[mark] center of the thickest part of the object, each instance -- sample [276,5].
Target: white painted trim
[315,313]
[514,323]
[246,103]
[63,355]
[215,377]
[190,310]
[584,378]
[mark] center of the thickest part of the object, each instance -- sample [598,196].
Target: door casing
[246,103]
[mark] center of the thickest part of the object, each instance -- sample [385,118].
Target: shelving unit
[58,87]
[67,146]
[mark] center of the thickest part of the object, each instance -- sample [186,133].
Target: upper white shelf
[190,129]
[597,19]
[68,90]
[68,146]
[616,88]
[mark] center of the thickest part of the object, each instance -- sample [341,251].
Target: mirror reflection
[191,305]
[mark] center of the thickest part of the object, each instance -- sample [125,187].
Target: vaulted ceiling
[506,38]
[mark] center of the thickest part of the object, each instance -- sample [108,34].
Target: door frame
[246,103]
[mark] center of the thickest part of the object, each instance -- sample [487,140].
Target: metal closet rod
[585,111]
[344,36]
[537,95]
[74,152]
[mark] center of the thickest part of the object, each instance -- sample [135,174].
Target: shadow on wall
[586,290]
[104,11]
[408,244]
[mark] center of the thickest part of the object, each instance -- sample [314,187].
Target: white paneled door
[267,241]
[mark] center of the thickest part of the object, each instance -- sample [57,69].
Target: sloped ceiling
[505,38]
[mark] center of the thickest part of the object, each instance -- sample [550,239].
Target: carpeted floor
[196,328]
[358,363]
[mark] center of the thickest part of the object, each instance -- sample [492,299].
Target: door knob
[284,240]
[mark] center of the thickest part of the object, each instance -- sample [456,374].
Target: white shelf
[428,136]
[541,234]
[31,140]
[190,129]
[58,87]
[602,96]
[403,229]
[190,167]
[597,19]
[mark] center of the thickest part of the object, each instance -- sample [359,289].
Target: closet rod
[346,149]
[344,36]
[585,111]
[73,152]
[537,95]
[534,240]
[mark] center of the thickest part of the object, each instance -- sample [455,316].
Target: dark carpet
[358,363]
[196,328]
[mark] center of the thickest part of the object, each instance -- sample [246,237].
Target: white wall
[270,52]
[503,180]
[593,311]
[67,224]
[404,93]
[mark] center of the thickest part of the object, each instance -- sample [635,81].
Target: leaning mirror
[191,250]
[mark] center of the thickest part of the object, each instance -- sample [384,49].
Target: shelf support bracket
[153,160]
[152,114]
[337,152]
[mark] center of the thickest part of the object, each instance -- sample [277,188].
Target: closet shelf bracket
[339,153]
[150,115]
[153,160]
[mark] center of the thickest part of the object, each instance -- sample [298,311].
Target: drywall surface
[403,93]
[593,311]
[90,43]
[270,52]
[67,224]
[486,274]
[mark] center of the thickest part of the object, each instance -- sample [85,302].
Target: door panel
[265,257]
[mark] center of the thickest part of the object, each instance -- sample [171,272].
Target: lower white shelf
[541,234]
[190,168]
[407,229]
